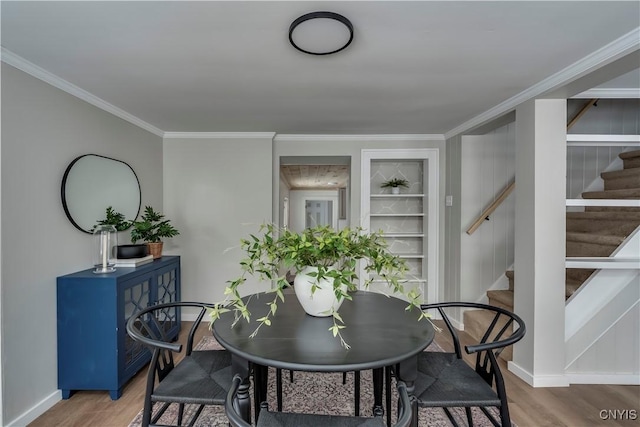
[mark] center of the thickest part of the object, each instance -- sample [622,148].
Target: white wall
[452,220]
[216,191]
[43,130]
[487,168]
[599,365]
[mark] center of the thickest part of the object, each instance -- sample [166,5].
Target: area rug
[318,393]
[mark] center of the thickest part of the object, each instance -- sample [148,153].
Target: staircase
[596,232]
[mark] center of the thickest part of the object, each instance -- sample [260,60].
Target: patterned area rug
[319,393]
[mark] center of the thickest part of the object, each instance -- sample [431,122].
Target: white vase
[395,190]
[321,302]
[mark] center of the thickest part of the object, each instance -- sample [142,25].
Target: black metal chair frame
[486,365]
[235,420]
[145,327]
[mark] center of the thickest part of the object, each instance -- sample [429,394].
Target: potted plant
[114,218]
[152,228]
[324,261]
[395,184]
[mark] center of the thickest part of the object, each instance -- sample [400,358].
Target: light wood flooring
[574,406]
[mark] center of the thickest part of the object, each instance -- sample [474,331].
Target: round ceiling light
[321,33]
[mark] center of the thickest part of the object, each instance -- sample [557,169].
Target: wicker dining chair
[290,419]
[200,377]
[445,380]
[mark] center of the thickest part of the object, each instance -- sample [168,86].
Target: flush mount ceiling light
[321,33]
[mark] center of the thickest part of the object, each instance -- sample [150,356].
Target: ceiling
[418,67]
[315,177]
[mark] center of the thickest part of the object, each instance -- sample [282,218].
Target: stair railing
[484,216]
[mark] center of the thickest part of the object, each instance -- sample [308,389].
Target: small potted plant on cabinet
[395,184]
[152,228]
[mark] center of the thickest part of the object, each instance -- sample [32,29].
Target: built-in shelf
[401,281]
[373,215]
[410,256]
[408,220]
[395,196]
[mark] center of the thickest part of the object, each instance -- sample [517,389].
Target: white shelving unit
[407,220]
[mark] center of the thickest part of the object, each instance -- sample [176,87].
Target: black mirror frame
[64,182]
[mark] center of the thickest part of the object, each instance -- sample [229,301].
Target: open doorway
[314,190]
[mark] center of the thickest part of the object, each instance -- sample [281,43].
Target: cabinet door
[134,295]
[166,288]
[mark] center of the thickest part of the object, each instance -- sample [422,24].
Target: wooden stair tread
[629,154]
[604,216]
[622,173]
[627,193]
[600,239]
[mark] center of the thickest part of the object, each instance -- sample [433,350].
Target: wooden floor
[575,406]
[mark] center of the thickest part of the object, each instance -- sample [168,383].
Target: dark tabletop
[378,328]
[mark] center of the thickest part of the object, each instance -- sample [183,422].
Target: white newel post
[540,241]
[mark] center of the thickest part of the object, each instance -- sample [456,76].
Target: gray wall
[43,129]
[216,191]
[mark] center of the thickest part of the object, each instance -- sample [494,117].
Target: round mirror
[92,183]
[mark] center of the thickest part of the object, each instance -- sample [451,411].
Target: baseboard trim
[38,409]
[538,380]
[617,379]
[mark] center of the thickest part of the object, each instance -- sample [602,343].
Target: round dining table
[380,332]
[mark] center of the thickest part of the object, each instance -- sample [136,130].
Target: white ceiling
[419,67]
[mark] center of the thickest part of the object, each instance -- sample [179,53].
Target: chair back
[149,326]
[505,329]
[235,420]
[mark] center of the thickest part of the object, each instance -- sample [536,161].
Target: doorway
[314,190]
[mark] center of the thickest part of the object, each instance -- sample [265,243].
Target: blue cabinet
[94,350]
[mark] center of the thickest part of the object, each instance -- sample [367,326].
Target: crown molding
[374,137]
[219,135]
[609,93]
[617,49]
[22,64]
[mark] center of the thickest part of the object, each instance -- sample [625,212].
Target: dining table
[379,330]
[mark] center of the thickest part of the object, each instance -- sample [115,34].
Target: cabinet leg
[66,393]
[115,394]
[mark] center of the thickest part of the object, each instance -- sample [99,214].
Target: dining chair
[445,380]
[290,419]
[200,377]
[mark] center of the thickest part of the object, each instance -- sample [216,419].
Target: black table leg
[378,375]
[279,389]
[242,402]
[356,391]
[408,372]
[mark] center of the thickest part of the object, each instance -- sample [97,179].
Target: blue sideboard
[94,350]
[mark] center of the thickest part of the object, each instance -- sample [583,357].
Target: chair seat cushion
[446,381]
[288,419]
[203,378]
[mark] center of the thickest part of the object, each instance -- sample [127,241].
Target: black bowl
[131,251]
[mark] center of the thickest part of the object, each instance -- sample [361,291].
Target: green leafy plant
[152,227]
[395,182]
[334,253]
[114,218]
